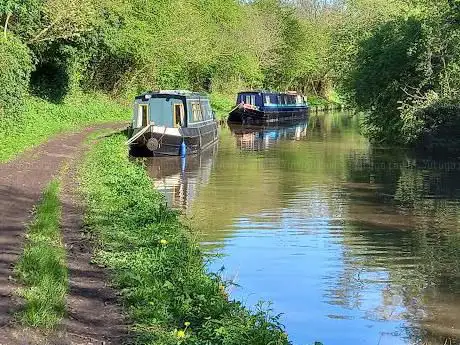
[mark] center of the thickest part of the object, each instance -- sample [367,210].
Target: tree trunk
[5,29]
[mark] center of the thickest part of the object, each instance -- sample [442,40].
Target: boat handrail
[236,107]
[138,135]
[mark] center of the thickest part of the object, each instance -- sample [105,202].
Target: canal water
[352,244]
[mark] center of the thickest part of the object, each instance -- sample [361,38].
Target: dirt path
[94,317]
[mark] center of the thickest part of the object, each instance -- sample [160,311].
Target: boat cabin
[172,109]
[271,99]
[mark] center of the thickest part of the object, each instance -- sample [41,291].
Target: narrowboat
[262,107]
[172,122]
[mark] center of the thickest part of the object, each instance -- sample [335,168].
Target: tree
[402,67]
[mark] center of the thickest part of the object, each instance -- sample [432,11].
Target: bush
[391,58]
[222,105]
[15,69]
[433,124]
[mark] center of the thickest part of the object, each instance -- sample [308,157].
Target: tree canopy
[211,45]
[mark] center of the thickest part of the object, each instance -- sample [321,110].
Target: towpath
[93,314]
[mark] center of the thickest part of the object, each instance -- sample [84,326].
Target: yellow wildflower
[163,242]
[222,291]
[186,323]
[180,334]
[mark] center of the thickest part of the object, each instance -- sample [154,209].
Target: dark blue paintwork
[264,106]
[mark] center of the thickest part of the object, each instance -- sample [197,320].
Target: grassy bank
[156,263]
[38,119]
[42,269]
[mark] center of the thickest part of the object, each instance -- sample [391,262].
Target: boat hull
[260,117]
[161,141]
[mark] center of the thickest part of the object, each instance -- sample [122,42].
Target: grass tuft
[156,263]
[42,268]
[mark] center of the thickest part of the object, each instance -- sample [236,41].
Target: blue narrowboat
[262,107]
[172,122]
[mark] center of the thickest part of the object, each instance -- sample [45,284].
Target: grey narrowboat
[172,122]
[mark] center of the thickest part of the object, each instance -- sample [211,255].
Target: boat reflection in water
[179,179]
[260,138]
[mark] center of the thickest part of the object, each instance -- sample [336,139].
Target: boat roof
[171,93]
[254,92]
[269,92]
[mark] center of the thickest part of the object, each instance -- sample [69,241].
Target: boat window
[206,110]
[250,99]
[273,99]
[178,115]
[197,115]
[144,114]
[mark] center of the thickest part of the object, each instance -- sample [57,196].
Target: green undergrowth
[42,267]
[37,119]
[317,101]
[156,262]
[222,105]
